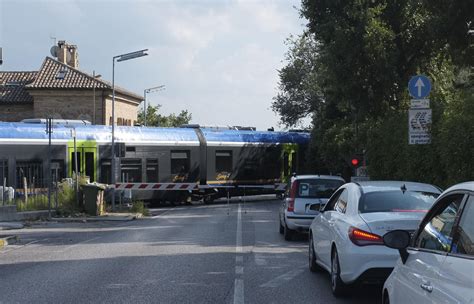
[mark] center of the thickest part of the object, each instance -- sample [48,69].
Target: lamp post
[150,90]
[119,58]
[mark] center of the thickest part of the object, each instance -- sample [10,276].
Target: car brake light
[291,204]
[363,238]
[291,199]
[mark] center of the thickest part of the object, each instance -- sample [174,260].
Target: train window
[180,162]
[32,171]
[130,149]
[105,171]
[3,172]
[223,164]
[131,170]
[152,170]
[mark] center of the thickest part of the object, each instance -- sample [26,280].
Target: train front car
[152,164]
[241,162]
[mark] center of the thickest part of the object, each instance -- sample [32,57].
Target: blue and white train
[204,156]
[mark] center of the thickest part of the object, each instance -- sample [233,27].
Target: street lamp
[150,90]
[119,58]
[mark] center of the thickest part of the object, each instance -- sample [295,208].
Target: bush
[67,199]
[139,207]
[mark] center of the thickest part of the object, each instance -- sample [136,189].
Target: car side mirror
[321,208]
[398,239]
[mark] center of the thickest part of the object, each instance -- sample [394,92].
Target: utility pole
[49,130]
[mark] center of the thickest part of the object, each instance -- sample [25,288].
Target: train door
[289,161]
[86,159]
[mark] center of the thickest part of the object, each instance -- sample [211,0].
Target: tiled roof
[12,87]
[49,77]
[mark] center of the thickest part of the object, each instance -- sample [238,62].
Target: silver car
[300,203]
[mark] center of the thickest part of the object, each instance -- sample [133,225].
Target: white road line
[80,243]
[238,246]
[160,215]
[284,278]
[239,270]
[239,259]
[239,291]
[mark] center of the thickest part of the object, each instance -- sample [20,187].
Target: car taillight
[291,204]
[363,238]
[291,199]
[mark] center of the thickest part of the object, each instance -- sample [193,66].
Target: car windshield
[396,201]
[318,188]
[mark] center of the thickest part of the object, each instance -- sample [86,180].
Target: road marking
[239,269]
[238,246]
[80,243]
[239,291]
[239,259]
[284,278]
[160,215]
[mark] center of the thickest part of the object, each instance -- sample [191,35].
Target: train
[220,161]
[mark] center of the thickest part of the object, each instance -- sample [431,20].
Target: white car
[346,237]
[302,200]
[437,263]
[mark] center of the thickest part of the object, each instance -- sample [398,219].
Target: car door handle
[427,287]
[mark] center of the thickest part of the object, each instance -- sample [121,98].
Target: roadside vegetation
[349,72]
[139,207]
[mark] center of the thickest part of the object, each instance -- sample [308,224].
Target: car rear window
[317,188]
[397,201]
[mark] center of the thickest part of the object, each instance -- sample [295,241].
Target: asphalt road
[194,254]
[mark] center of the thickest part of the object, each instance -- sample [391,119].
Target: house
[60,90]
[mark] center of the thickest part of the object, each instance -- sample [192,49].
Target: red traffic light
[355,162]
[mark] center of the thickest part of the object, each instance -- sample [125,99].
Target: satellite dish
[54,51]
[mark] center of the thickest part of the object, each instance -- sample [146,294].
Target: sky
[218,59]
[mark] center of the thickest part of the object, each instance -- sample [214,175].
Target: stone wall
[126,111]
[68,104]
[16,112]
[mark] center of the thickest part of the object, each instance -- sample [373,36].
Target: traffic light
[357,160]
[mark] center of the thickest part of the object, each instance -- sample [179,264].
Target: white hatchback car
[302,201]
[346,238]
[438,266]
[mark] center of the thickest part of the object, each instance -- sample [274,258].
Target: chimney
[67,54]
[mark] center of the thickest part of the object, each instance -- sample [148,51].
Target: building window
[152,170]
[32,171]
[131,170]
[223,164]
[61,74]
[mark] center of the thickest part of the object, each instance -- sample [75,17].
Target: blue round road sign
[419,86]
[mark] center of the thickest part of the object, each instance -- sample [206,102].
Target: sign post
[419,115]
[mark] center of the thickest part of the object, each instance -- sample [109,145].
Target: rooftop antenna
[54,49]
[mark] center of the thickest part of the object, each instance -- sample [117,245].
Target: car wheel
[288,233]
[282,229]
[313,266]
[337,285]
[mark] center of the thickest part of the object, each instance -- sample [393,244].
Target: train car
[215,159]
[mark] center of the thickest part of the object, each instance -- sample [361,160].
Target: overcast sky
[218,59]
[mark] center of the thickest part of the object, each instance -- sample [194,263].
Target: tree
[154,119]
[349,71]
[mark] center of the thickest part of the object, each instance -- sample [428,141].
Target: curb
[13,239]
[94,219]
[11,225]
